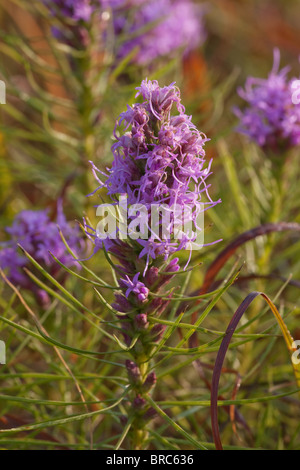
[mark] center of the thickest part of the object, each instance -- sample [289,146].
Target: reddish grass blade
[229,251]
[234,414]
[223,350]
[245,237]
[9,421]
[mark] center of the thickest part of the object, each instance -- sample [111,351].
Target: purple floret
[135,286]
[271,119]
[164,165]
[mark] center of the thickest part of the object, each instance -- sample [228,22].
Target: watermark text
[179,222]
[296,92]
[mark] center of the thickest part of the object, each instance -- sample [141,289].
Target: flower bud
[134,373]
[139,402]
[123,420]
[127,333]
[151,276]
[149,382]
[141,321]
[157,332]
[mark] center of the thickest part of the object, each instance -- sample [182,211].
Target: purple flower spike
[158,163]
[159,159]
[152,28]
[271,119]
[139,403]
[149,382]
[134,373]
[158,166]
[157,332]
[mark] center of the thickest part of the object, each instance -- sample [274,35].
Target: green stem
[139,434]
[142,382]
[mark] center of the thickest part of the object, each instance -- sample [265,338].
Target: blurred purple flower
[39,236]
[159,159]
[271,119]
[156,27]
